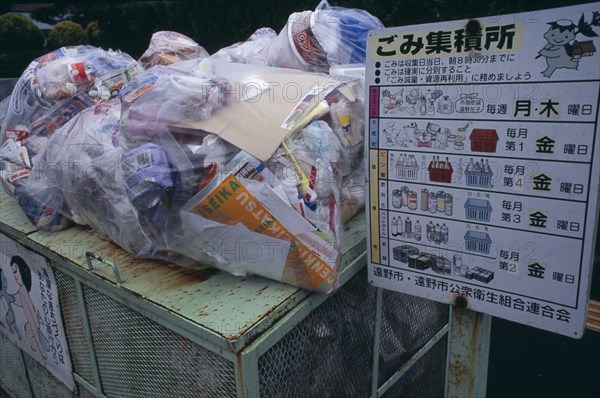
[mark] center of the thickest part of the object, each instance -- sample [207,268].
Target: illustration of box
[583,49]
[440,172]
[420,262]
[477,241]
[441,265]
[478,209]
[483,140]
[480,274]
[402,253]
[480,179]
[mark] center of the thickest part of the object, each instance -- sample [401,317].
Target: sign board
[484,164]
[29,309]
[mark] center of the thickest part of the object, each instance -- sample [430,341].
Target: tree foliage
[19,33]
[94,33]
[66,33]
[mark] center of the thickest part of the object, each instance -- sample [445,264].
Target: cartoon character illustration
[562,50]
[8,300]
[22,275]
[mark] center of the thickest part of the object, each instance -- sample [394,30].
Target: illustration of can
[441,201]
[424,199]
[449,204]
[404,190]
[396,198]
[432,202]
[412,200]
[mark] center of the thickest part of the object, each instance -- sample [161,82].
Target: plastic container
[477,241]
[478,209]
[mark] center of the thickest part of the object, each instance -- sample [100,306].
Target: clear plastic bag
[53,90]
[252,51]
[314,40]
[168,47]
[175,168]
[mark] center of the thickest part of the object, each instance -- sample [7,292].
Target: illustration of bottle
[460,171]
[447,163]
[444,233]
[394,227]
[400,227]
[418,231]
[423,108]
[430,231]
[487,168]
[438,233]
[471,165]
[456,264]
[431,108]
[399,164]
[408,228]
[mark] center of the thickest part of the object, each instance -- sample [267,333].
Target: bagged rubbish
[52,91]
[252,51]
[87,160]
[208,199]
[167,48]
[240,166]
[314,40]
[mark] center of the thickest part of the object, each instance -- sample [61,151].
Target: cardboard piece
[262,99]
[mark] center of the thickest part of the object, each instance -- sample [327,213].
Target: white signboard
[29,309]
[484,163]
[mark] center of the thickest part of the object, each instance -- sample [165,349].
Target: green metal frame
[468,332]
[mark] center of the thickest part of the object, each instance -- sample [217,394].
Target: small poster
[483,162]
[29,309]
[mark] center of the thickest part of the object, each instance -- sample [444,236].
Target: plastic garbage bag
[53,90]
[252,51]
[168,47]
[314,40]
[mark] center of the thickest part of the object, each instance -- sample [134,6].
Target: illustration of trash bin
[478,209]
[477,241]
[483,140]
[440,171]
[479,174]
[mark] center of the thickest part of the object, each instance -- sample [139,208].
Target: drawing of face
[556,37]
[17,274]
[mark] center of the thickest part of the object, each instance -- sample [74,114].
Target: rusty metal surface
[12,218]
[468,353]
[235,308]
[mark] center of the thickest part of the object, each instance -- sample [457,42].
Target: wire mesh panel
[13,375]
[43,383]
[408,323]
[329,353]
[139,358]
[73,323]
[426,378]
